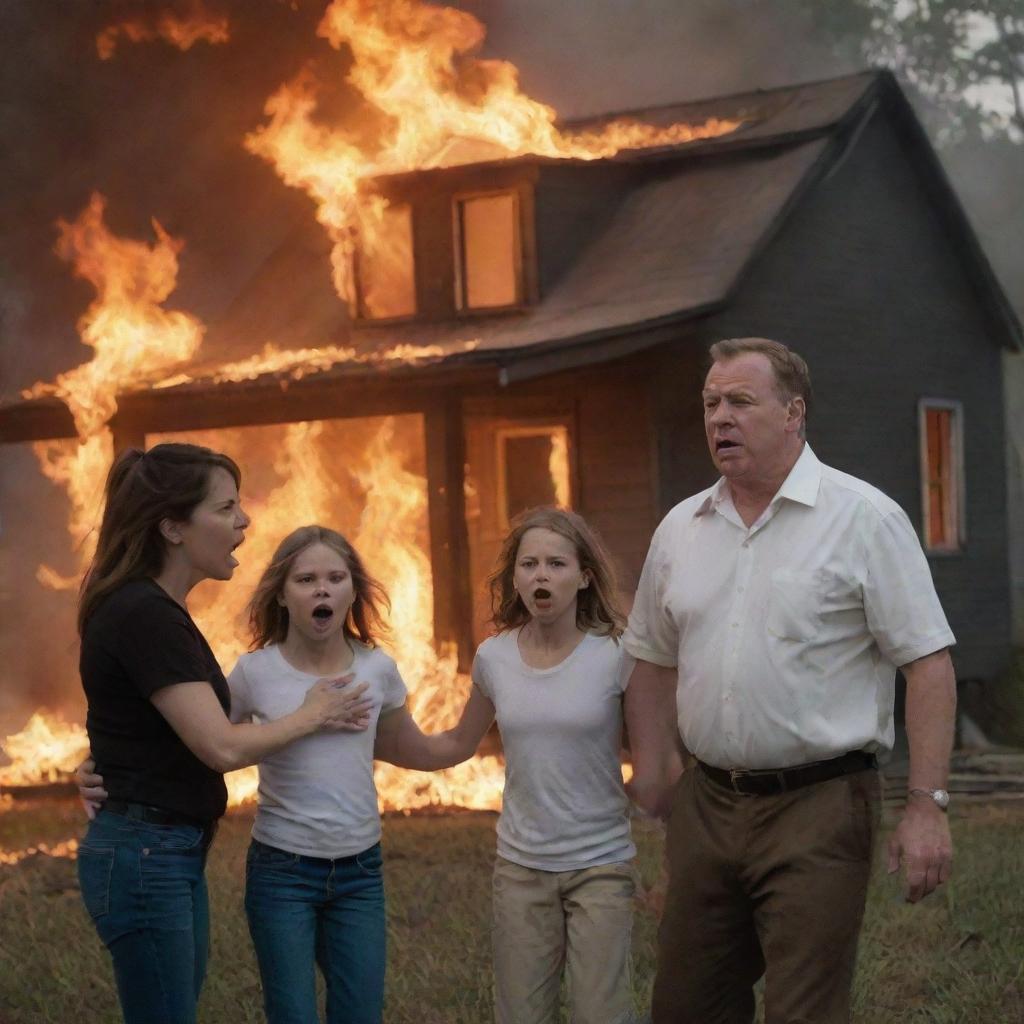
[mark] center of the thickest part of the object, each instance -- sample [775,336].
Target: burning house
[456,336]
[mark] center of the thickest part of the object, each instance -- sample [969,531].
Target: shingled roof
[676,248]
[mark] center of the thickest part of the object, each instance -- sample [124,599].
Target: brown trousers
[772,885]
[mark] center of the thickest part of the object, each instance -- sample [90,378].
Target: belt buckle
[735,774]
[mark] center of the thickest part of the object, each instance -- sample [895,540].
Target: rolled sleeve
[651,634]
[900,603]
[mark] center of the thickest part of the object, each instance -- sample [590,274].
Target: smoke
[596,56]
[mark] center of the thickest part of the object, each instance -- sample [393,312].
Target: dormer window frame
[358,307]
[522,243]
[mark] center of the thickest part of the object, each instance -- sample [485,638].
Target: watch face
[941,797]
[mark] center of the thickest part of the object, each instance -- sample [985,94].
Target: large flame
[434,104]
[371,495]
[132,336]
[438,106]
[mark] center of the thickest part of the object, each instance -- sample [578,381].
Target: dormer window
[488,252]
[385,274]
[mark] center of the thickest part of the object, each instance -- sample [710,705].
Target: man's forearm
[651,721]
[931,719]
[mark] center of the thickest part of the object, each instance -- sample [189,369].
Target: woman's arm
[401,742]
[194,713]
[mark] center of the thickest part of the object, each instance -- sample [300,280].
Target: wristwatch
[940,796]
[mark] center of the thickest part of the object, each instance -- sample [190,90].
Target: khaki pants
[771,885]
[546,919]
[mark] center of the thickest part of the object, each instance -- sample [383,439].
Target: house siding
[864,280]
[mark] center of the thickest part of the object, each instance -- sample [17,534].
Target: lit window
[384,268]
[487,246]
[942,477]
[533,468]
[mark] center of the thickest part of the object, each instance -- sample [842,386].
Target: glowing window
[533,468]
[487,246]
[942,489]
[384,267]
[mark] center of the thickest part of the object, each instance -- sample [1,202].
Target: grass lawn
[958,958]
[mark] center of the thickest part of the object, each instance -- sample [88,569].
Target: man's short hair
[792,378]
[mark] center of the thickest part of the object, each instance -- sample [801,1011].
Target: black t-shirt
[137,641]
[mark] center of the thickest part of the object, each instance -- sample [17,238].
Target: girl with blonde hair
[553,676]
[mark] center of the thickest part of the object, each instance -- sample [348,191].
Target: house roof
[674,249]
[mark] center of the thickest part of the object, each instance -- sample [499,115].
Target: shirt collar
[802,485]
[804,480]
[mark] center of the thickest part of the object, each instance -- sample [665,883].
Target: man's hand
[652,795]
[923,845]
[90,787]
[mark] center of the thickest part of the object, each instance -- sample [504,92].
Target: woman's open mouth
[323,613]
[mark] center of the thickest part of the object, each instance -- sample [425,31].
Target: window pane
[490,260]
[387,284]
[535,466]
[942,526]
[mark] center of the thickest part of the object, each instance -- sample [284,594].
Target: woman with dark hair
[158,720]
[554,678]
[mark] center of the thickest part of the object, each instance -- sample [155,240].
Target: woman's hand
[90,787]
[337,704]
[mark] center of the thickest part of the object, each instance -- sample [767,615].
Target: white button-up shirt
[787,634]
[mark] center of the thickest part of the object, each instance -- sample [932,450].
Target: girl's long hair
[597,608]
[268,620]
[142,489]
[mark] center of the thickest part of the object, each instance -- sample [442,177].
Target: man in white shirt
[771,616]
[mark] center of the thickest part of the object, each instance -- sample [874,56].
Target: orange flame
[180,30]
[47,749]
[132,336]
[389,530]
[440,106]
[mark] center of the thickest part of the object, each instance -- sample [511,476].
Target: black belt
[765,782]
[154,815]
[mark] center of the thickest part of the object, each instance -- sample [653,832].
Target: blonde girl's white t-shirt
[316,795]
[564,806]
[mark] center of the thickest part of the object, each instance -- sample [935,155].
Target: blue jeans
[306,910]
[144,888]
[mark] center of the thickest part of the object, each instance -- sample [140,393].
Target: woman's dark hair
[268,620]
[142,489]
[597,606]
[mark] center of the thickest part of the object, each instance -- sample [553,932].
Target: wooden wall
[866,282]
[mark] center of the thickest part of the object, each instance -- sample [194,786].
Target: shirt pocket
[794,605]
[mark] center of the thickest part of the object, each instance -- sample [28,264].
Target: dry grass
[956,959]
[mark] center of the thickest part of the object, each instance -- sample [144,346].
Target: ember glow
[438,105]
[180,30]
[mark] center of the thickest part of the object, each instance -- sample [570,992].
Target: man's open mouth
[724,444]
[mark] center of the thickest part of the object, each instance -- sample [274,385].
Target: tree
[967,59]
